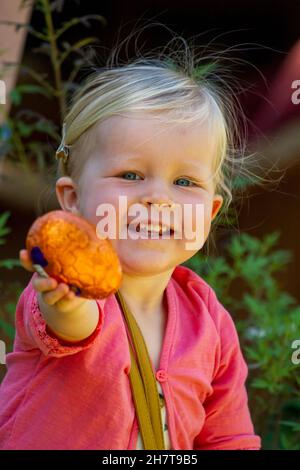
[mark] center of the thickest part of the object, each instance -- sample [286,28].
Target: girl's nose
[161,201]
[156,194]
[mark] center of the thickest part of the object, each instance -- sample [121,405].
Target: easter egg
[66,246]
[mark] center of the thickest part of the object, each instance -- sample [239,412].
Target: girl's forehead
[144,132]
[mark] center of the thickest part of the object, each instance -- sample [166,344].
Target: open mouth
[153,229]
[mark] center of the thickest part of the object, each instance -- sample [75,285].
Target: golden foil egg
[68,249]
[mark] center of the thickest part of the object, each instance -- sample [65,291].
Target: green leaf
[240,182]
[3,229]
[253,266]
[47,127]
[32,89]
[15,97]
[42,79]
[75,21]
[9,263]
[37,34]
[251,244]
[293,424]
[236,248]
[7,328]
[285,442]
[74,47]
[271,239]
[10,307]
[202,70]
[25,129]
[3,218]
[260,383]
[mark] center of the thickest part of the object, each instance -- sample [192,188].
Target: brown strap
[141,406]
[143,384]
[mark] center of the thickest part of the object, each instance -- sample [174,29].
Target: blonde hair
[177,85]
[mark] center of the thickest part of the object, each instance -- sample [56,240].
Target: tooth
[154,228]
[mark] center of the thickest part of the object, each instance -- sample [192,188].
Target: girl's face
[149,162]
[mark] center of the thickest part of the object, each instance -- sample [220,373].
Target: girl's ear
[66,193]
[216,206]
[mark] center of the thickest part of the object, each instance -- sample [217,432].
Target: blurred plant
[10,293]
[4,230]
[29,137]
[9,296]
[268,321]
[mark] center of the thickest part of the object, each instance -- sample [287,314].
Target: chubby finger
[56,294]
[25,260]
[68,304]
[70,295]
[42,284]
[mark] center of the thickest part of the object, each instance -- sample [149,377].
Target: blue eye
[129,173]
[185,179]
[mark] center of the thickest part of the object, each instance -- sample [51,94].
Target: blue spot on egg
[37,257]
[76,290]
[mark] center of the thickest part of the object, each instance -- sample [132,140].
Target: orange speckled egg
[67,247]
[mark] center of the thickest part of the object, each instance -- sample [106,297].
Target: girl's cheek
[89,212]
[196,214]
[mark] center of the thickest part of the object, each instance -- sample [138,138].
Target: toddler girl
[133,133]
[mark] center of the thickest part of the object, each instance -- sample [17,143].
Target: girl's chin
[147,264]
[145,247]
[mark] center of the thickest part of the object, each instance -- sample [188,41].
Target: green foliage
[203,70]
[8,293]
[268,321]
[4,230]
[29,137]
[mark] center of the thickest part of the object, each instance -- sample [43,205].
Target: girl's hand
[52,293]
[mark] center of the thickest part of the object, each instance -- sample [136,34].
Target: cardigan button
[161,375]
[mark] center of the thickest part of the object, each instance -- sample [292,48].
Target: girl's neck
[144,295]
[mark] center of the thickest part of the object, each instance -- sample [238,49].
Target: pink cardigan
[59,396]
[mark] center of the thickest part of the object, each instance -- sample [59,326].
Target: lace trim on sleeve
[48,343]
